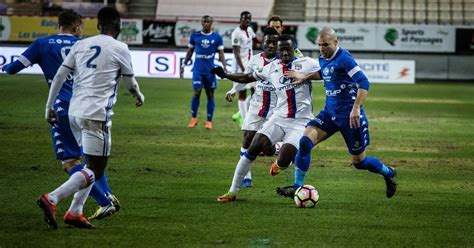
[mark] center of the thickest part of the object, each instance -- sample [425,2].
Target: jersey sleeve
[251,66]
[313,65]
[125,61]
[236,39]
[32,55]
[220,43]
[350,65]
[70,60]
[192,41]
[264,73]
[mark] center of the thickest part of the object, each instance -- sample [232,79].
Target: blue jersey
[341,89]
[205,46]
[49,52]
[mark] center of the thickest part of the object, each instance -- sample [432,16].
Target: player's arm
[236,50]
[299,77]
[188,56]
[356,73]
[131,83]
[222,58]
[243,78]
[27,58]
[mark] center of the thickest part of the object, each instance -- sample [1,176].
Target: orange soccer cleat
[193,122]
[275,169]
[208,124]
[228,197]
[49,210]
[77,221]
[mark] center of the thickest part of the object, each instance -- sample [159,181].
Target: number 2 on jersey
[97,52]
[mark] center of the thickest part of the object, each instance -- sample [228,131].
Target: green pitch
[168,176]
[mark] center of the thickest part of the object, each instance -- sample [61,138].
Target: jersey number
[97,52]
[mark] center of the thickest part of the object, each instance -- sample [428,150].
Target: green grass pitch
[168,176]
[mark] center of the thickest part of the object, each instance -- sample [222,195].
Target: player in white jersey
[98,63]
[262,101]
[292,112]
[242,41]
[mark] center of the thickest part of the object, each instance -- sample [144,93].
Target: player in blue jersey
[205,43]
[346,89]
[49,52]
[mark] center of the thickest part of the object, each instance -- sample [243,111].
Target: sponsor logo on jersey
[298,66]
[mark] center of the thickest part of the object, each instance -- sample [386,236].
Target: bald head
[327,42]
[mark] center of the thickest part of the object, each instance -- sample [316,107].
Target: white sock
[243,166]
[249,174]
[242,108]
[76,182]
[80,198]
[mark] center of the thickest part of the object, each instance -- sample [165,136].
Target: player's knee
[70,163]
[305,146]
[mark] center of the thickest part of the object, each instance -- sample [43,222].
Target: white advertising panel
[166,64]
[427,38]
[351,36]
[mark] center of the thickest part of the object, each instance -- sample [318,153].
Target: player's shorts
[252,121]
[94,136]
[64,143]
[356,139]
[208,81]
[287,130]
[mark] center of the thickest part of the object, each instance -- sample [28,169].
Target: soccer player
[277,23]
[206,43]
[97,63]
[49,52]
[242,41]
[293,110]
[346,89]
[262,101]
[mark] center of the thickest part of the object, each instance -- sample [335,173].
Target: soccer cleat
[287,191]
[227,197]
[193,122]
[275,169]
[391,183]
[49,210]
[237,117]
[77,221]
[208,124]
[114,201]
[103,212]
[246,183]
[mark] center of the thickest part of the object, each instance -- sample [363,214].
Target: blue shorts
[206,80]
[64,143]
[356,139]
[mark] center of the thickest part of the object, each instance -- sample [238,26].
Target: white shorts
[252,121]
[95,137]
[287,130]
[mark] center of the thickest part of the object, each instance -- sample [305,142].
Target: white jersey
[264,99]
[98,63]
[243,39]
[294,100]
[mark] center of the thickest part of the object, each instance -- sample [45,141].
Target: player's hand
[229,95]
[219,71]
[181,72]
[51,116]
[296,76]
[354,118]
[140,99]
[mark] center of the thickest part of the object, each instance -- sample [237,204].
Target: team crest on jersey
[205,43]
[326,71]
[298,66]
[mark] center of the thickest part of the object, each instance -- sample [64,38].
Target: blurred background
[412,39]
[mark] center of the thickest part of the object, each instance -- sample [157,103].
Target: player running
[97,63]
[293,110]
[49,52]
[346,89]
[263,100]
[206,43]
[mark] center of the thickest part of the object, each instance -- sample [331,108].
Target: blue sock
[302,160]
[75,169]
[194,106]
[374,165]
[104,184]
[210,108]
[250,157]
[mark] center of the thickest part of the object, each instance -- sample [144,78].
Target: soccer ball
[306,196]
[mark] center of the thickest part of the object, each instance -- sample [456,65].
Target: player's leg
[210,86]
[197,88]
[247,139]
[357,140]
[251,125]
[242,103]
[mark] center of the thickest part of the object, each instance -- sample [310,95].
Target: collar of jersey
[205,33]
[66,34]
[287,65]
